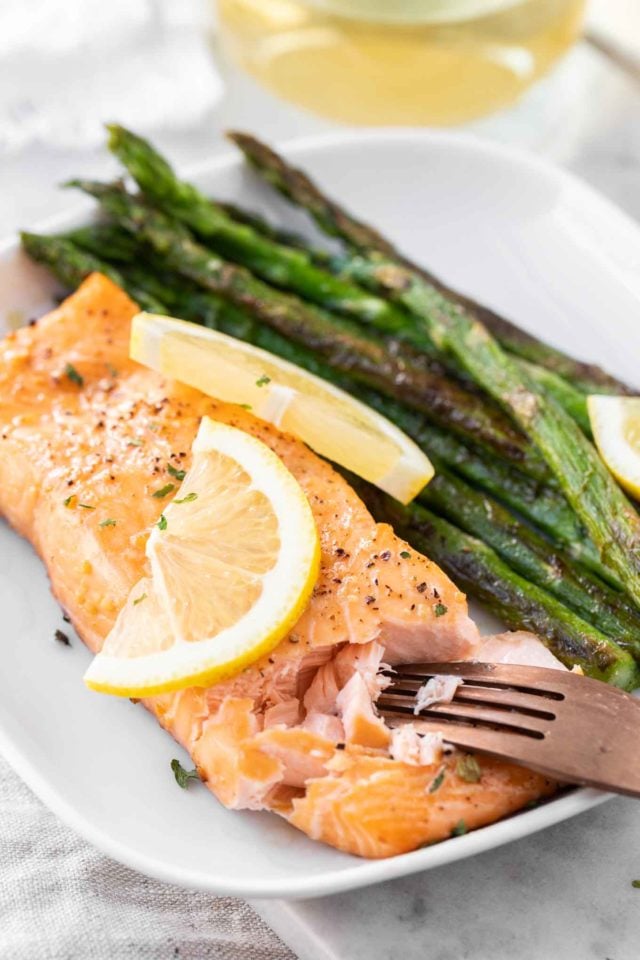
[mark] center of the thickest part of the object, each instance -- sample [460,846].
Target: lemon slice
[332,422]
[615,422]
[233,560]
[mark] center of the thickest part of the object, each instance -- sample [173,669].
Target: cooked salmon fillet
[86,435]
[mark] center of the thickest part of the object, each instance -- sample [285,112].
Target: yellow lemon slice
[333,423]
[615,422]
[233,561]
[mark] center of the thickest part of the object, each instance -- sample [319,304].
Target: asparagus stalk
[337,222]
[572,400]
[534,558]
[71,265]
[107,241]
[256,245]
[475,567]
[388,366]
[282,265]
[267,229]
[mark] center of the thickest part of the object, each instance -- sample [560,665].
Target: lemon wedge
[332,422]
[615,423]
[233,560]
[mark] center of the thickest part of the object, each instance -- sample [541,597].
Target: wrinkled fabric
[60,899]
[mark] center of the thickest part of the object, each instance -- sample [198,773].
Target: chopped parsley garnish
[440,609]
[188,499]
[69,500]
[164,491]
[73,375]
[139,599]
[154,426]
[460,829]
[636,884]
[62,638]
[437,783]
[468,768]
[135,443]
[109,522]
[245,406]
[162,522]
[263,380]
[183,776]
[174,472]
[86,506]
[405,554]
[112,370]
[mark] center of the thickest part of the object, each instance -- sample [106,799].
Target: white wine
[399,61]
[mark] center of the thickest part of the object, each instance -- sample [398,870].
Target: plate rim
[363,872]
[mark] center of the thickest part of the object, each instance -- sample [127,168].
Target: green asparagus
[337,222]
[71,265]
[533,557]
[257,246]
[279,264]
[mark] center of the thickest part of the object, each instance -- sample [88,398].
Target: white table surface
[562,895]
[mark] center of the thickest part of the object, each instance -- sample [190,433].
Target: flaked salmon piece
[326,725]
[304,754]
[361,723]
[86,435]
[228,758]
[329,679]
[288,713]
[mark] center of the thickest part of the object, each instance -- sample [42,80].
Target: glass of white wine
[399,61]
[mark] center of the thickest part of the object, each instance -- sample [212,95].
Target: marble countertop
[564,894]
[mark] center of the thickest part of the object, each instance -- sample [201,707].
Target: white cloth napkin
[62,900]
[68,66]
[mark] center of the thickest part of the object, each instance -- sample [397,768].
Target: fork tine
[539,681]
[500,697]
[469,713]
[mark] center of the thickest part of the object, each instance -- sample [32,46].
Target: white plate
[521,236]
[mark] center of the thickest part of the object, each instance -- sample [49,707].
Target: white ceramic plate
[522,237]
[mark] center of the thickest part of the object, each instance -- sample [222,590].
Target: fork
[564,725]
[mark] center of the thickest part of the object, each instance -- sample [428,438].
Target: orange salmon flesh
[297,733]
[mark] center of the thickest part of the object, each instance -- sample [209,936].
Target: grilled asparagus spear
[71,265]
[260,248]
[533,557]
[337,222]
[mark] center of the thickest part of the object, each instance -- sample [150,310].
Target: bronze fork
[566,726]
